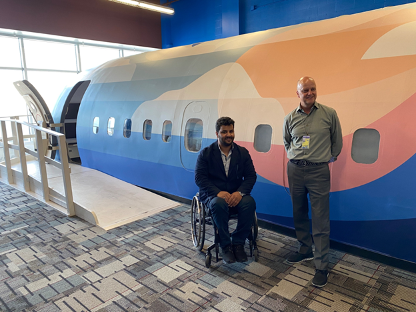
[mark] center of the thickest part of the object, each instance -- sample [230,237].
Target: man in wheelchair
[225,176]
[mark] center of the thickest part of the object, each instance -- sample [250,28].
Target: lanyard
[306,127]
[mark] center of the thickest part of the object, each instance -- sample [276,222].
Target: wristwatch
[242,194]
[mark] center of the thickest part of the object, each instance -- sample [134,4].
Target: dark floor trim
[354,250]
[170,196]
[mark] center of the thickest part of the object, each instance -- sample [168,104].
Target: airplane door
[37,107]
[34,102]
[194,132]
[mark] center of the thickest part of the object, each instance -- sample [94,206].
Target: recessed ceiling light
[147,6]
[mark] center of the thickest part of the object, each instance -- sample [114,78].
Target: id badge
[305,141]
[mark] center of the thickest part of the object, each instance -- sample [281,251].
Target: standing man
[225,176]
[312,137]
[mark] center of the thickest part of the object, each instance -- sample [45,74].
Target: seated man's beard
[225,143]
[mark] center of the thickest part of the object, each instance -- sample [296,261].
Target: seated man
[225,176]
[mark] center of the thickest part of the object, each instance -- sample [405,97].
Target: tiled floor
[50,262]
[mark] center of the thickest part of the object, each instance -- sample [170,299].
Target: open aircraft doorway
[38,109]
[69,119]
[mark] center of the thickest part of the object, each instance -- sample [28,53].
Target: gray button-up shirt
[323,127]
[226,160]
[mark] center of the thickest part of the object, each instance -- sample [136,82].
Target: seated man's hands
[234,199]
[231,199]
[225,195]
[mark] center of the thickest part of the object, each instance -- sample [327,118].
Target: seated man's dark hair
[223,121]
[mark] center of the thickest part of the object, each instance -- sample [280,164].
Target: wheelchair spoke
[197,223]
[201,226]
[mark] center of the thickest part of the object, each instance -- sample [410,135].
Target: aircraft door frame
[69,117]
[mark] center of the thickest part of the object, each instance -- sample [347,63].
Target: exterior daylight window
[129,52]
[193,134]
[10,52]
[110,126]
[147,129]
[127,128]
[95,56]
[95,125]
[167,131]
[50,55]
[263,138]
[8,95]
[50,63]
[365,146]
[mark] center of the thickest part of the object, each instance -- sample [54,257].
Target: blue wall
[197,21]
[201,20]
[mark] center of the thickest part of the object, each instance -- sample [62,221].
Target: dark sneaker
[239,253]
[320,279]
[298,257]
[227,254]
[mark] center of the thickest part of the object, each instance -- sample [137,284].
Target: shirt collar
[232,147]
[316,105]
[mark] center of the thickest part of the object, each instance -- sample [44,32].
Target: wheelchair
[201,217]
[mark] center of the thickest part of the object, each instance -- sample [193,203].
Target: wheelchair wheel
[208,258]
[197,223]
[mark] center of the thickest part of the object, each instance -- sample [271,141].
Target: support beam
[6,153]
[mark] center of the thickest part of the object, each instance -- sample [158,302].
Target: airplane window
[110,126]
[193,134]
[95,125]
[127,128]
[147,129]
[263,138]
[365,146]
[167,131]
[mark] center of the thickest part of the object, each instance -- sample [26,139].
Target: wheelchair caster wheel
[208,260]
[256,255]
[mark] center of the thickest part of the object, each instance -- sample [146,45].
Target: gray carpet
[50,262]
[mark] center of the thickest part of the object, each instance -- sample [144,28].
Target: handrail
[42,159]
[13,137]
[13,116]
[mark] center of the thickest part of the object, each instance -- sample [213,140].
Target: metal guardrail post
[6,152]
[13,126]
[66,175]
[22,155]
[42,165]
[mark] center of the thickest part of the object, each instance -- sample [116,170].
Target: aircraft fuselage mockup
[144,118]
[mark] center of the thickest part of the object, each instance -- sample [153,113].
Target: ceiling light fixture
[147,6]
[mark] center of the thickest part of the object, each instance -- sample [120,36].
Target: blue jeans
[221,213]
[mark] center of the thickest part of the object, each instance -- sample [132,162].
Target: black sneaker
[239,253]
[227,254]
[298,257]
[320,279]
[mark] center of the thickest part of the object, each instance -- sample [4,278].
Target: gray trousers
[314,180]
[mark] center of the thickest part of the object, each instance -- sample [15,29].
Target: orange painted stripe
[396,147]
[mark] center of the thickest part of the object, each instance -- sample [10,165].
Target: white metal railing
[29,135]
[12,176]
